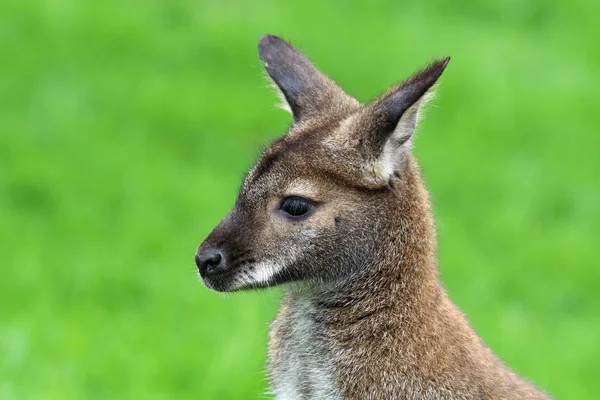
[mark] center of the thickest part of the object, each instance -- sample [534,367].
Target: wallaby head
[329,198]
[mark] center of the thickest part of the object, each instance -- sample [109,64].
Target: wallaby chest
[301,357]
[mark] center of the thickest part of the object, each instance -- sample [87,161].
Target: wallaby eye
[295,206]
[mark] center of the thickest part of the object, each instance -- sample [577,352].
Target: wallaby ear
[307,91]
[387,124]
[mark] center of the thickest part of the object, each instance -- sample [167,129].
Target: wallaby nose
[210,262]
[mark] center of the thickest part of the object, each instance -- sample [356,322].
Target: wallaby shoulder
[324,352]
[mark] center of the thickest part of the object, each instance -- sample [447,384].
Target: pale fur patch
[305,361]
[283,104]
[304,188]
[261,273]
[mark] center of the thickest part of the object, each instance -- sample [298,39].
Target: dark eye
[295,206]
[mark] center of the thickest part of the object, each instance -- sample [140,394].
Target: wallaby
[337,213]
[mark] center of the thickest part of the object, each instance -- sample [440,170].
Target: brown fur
[364,314]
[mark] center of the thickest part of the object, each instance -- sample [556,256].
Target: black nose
[210,262]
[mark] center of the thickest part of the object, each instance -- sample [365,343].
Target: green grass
[125,129]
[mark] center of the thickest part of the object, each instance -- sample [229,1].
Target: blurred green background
[125,130]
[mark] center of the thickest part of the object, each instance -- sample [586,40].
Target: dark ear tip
[267,39]
[267,43]
[434,70]
[440,65]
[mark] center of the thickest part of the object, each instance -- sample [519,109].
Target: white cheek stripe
[261,273]
[264,271]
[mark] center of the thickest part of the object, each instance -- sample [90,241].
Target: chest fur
[301,360]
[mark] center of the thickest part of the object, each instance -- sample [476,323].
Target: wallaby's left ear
[306,90]
[387,124]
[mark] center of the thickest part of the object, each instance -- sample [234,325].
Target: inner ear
[388,123]
[399,133]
